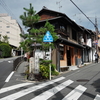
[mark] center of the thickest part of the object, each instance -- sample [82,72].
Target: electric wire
[6,7]
[84,14]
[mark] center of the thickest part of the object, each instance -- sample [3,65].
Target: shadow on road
[96,84]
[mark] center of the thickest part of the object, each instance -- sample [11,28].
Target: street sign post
[48,38]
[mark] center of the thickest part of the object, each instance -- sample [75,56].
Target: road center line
[8,78]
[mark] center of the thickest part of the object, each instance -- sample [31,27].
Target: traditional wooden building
[70,45]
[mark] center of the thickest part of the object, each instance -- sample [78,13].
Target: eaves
[67,42]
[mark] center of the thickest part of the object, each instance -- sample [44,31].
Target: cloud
[90,8]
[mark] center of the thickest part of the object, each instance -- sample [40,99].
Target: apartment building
[11,28]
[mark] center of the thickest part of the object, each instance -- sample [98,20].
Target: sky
[91,8]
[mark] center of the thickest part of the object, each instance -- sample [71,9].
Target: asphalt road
[6,67]
[81,84]
[89,77]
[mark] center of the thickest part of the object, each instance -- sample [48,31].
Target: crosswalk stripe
[97,97]
[31,89]
[76,93]
[47,94]
[6,89]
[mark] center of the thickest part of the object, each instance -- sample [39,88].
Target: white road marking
[97,97]
[8,78]
[76,93]
[31,89]
[10,61]
[47,94]
[6,89]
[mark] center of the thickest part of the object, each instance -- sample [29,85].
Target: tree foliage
[0,37]
[29,19]
[5,39]
[5,49]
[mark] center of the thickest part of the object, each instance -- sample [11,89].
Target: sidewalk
[22,67]
[19,75]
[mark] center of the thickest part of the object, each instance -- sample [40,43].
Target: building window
[61,51]
[8,32]
[0,26]
[0,32]
[62,28]
[56,25]
[88,36]
[8,26]
[74,35]
[0,20]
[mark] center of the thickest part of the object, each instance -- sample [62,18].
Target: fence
[17,62]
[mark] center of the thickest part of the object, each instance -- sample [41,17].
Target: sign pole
[50,63]
[48,38]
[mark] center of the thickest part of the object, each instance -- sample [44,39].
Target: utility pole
[96,29]
[95,24]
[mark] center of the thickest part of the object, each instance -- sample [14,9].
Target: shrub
[53,70]
[45,62]
[5,49]
[44,69]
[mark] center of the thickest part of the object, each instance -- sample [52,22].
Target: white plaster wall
[10,25]
[89,42]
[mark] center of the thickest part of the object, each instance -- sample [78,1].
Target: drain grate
[82,80]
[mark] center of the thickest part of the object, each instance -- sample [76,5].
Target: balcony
[62,32]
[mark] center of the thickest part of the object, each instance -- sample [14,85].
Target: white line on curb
[8,78]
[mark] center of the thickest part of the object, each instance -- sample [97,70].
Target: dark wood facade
[69,48]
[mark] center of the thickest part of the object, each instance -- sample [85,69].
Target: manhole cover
[82,80]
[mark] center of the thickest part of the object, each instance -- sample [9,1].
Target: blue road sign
[47,37]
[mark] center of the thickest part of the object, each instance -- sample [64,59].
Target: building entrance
[69,57]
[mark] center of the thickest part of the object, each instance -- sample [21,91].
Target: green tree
[29,19]
[0,37]
[35,35]
[5,39]
[6,50]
